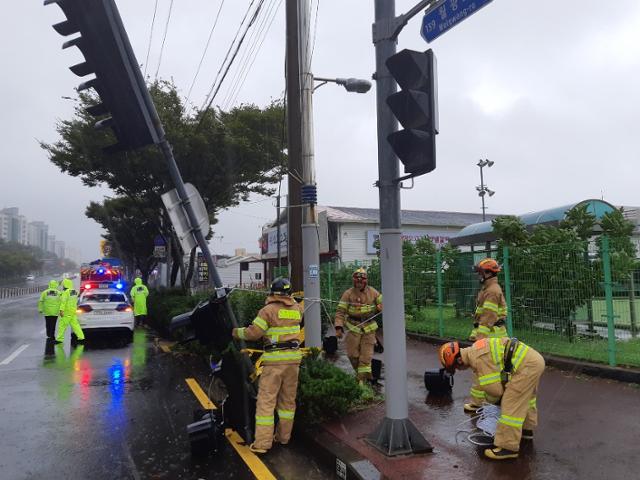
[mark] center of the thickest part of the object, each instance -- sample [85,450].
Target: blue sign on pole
[447,15]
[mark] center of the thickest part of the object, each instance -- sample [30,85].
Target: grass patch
[425,321]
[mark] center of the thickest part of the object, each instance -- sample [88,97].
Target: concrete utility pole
[396,435]
[310,236]
[294,138]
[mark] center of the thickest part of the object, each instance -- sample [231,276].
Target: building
[349,234]
[51,243]
[38,233]
[242,269]
[60,249]
[13,226]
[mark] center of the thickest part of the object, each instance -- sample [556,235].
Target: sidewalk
[589,429]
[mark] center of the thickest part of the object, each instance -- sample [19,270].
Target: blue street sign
[447,15]
[159,241]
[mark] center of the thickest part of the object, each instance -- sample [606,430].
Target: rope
[486,424]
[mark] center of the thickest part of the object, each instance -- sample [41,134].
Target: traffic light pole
[396,435]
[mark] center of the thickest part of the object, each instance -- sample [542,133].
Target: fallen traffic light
[126,104]
[416,108]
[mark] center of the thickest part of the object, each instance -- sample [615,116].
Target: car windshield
[104,297]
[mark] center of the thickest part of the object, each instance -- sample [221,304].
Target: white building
[60,249]
[37,235]
[349,234]
[13,226]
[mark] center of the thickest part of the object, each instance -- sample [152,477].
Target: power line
[212,93]
[269,19]
[164,38]
[153,22]
[206,48]
[251,41]
[315,33]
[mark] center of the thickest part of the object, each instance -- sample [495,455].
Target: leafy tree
[132,224]
[227,156]
[510,231]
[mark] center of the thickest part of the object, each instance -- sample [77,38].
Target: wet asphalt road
[106,410]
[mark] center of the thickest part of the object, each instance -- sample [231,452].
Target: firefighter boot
[500,453]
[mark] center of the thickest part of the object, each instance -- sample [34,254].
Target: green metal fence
[578,300]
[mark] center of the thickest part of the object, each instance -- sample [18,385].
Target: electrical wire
[164,39]
[153,22]
[264,30]
[204,53]
[315,33]
[216,89]
[243,57]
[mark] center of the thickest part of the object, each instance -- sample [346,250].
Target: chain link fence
[578,300]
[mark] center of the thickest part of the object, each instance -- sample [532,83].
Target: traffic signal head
[126,104]
[416,108]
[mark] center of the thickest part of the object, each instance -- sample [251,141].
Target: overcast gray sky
[546,89]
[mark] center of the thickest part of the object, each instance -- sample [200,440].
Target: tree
[227,156]
[132,225]
[510,231]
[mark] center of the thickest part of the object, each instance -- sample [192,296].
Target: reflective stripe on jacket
[356,306]
[486,359]
[49,303]
[277,322]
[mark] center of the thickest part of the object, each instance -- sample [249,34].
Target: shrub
[325,391]
[246,305]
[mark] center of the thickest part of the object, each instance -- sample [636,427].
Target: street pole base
[398,437]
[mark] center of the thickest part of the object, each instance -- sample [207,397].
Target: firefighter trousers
[64,323]
[360,352]
[277,392]
[519,403]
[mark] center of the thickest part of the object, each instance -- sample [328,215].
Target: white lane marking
[11,357]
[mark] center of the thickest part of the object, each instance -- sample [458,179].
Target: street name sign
[446,14]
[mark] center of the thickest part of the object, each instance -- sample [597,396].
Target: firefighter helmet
[281,286]
[448,354]
[488,265]
[360,273]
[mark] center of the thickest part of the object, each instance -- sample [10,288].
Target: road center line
[11,357]
[259,469]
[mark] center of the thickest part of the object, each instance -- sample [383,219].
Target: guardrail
[10,292]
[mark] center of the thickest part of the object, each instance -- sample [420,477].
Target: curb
[347,463]
[619,374]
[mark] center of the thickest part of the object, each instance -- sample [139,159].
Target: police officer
[68,315]
[278,324]
[139,294]
[49,307]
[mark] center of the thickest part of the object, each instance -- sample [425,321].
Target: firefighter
[356,309]
[508,373]
[278,324]
[49,307]
[139,294]
[68,314]
[489,317]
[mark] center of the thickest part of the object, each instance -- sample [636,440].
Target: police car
[105,310]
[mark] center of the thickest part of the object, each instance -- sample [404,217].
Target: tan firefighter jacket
[355,307]
[491,308]
[278,324]
[486,359]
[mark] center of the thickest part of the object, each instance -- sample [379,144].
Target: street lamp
[352,85]
[482,189]
[309,196]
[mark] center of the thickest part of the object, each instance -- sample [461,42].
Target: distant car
[105,310]
[30,278]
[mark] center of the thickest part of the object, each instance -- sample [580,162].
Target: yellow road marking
[165,348]
[200,395]
[259,469]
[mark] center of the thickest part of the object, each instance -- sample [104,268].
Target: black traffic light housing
[416,108]
[126,104]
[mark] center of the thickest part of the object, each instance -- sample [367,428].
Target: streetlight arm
[391,28]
